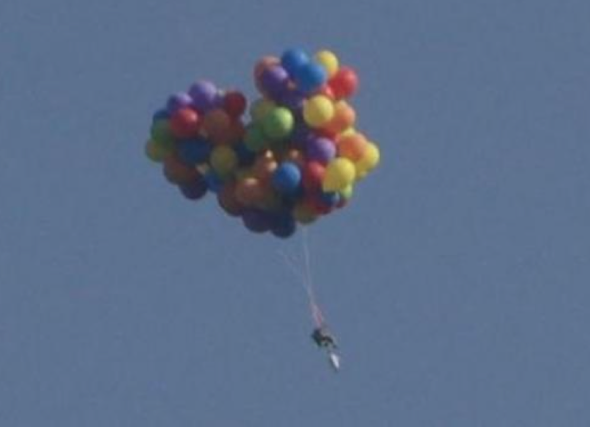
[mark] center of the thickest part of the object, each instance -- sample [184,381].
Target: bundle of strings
[305,276]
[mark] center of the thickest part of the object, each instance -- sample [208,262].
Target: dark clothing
[323,338]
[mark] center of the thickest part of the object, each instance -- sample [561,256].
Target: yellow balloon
[157,152]
[223,159]
[304,214]
[369,161]
[270,202]
[328,60]
[361,175]
[340,173]
[349,131]
[318,110]
[243,173]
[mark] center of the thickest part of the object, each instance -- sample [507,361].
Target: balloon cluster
[297,159]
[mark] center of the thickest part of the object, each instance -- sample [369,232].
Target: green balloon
[278,123]
[161,132]
[347,192]
[255,140]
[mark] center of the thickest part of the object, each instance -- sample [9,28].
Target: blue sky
[457,280]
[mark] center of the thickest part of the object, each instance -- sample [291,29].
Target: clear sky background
[457,281]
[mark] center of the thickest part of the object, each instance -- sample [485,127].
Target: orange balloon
[228,201]
[344,117]
[215,125]
[263,64]
[264,166]
[294,155]
[249,191]
[234,134]
[352,146]
[177,172]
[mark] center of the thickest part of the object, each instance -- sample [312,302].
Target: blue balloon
[194,151]
[310,77]
[214,183]
[283,225]
[160,115]
[178,101]
[293,59]
[330,199]
[245,156]
[286,178]
[289,200]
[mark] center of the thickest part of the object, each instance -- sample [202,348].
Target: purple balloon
[320,149]
[300,136]
[256,220]
[274,80]
[292,99]
[178,101]
[205,96]
[194,190]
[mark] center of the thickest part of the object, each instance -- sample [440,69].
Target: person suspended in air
[325,340]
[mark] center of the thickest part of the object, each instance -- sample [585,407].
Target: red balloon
[236,132]
[344,83]
[327,133]
[185,123]
[313,175]
[316,204]
[234,103]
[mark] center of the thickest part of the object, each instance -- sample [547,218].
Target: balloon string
[305,278]
[316,313]
[290,262]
